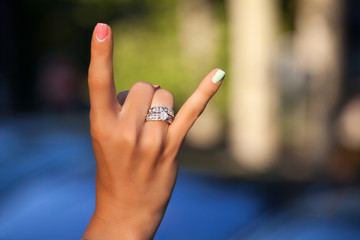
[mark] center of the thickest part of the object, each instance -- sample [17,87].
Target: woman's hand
[136,160]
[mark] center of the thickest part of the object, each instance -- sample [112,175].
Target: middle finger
[137,103]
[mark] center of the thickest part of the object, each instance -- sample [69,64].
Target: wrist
[110,223]
[99,228]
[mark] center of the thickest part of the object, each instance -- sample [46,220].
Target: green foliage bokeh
[147,48]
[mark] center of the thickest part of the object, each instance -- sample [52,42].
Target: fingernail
[101,31]
[219,75]
[156,86]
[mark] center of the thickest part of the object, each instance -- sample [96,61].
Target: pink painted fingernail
[156,86]
[101,31]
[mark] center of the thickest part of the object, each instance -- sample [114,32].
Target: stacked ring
[160,113]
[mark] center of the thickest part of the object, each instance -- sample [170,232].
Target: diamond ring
[160,113]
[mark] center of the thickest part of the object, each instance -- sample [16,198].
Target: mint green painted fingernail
[219,75]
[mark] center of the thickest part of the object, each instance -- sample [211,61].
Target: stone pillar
[253,91]
[317,48]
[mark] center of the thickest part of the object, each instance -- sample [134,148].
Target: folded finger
[121,96]
[136,104]
[153,135]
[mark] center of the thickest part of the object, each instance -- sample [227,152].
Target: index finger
[196,104]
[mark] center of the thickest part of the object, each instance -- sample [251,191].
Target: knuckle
[165,94]
[152,145]
[124,138]
[96,82]
[206,92]
[196,111]
[98,132]
[103,129]
[171,152]
[98,79]
[127,137]
[141,84]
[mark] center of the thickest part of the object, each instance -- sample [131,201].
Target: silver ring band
[160,109]
[160,113]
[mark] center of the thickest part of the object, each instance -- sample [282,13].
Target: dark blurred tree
[40,27]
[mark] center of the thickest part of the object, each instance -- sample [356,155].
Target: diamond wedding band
[159,113]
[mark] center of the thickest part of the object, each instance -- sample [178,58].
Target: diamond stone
[164,116]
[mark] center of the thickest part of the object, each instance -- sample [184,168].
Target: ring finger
[155,131]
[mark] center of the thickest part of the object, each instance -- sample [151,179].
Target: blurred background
[276,154]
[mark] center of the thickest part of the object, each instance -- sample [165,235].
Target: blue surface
[47,191]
